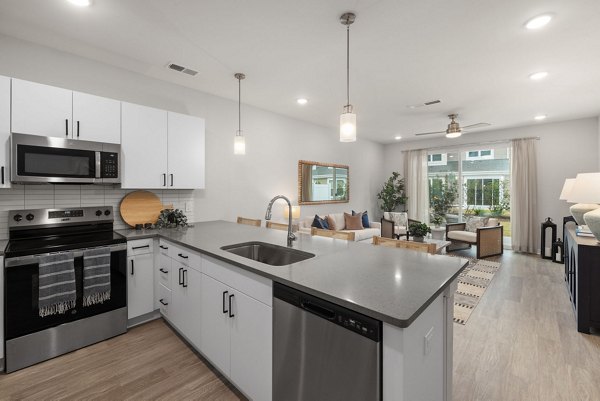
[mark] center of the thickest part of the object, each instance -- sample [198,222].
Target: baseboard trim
[136,321]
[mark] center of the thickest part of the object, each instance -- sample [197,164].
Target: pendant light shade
[239,142]
[348,125]
[347,118]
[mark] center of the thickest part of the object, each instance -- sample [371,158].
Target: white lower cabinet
[140,285]
[185,298]
[1,313]
[237,330]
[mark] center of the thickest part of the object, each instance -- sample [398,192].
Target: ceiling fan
[454,130]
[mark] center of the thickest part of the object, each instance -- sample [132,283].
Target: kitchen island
[410,292]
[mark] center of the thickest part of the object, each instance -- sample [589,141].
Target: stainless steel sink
[269,254]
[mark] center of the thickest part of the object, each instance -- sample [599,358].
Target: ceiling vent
[429,103]
[179,68]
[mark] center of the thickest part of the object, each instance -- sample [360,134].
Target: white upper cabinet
[96,118]
[4,132]
[143,147]
[41,109]
[185,151]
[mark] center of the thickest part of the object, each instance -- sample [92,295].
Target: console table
[582,276]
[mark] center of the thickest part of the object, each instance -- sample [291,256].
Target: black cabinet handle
[163,302]
[164,180]
[163,271]
[181,255]
[171,179]
[185,282]
[2,175]
[132,267]
[66,127]
[230,309]
[77,129]
[225,295]
[140,247]
[180,279]
[163,247]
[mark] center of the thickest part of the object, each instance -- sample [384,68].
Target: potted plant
[437,220]
[392,193]
[418,231]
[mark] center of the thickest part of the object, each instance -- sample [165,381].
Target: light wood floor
[520,344]
[521,341]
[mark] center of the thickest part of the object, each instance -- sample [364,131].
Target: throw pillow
[330,222]
[318,222]
[475,222]
[365,219]
[400,219]
[353,222]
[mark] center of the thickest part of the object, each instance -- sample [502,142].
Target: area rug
[472,283]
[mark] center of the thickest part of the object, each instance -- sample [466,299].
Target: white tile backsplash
[59,196]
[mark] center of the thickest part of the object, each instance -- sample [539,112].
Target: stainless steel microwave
[44,159]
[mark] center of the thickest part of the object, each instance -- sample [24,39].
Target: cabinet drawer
[165,271]
[164,299]
[140,246]
[185,256]
[253,285]
[163,247]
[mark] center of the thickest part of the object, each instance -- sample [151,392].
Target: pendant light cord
[347,64]
[239,105]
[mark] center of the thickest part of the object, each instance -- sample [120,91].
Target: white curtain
[523,196]
[417,184]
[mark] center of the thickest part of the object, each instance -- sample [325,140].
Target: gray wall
[565,149]
[235,185]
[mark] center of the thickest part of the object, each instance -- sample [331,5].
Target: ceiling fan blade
[478,125]
[431,133]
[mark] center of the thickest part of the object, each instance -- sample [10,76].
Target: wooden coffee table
[440,244]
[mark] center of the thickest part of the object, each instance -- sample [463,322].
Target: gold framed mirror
[323,183]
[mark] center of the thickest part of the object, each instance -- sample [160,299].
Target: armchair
[390,228]
[488,238]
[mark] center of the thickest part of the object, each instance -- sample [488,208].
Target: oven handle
[33,259]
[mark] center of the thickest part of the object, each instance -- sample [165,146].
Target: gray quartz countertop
[389,284]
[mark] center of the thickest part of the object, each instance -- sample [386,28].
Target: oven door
[54,160]
[21,293]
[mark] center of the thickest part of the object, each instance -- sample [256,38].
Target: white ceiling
[473,55]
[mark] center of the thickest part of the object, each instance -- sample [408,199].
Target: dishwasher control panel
[339,315]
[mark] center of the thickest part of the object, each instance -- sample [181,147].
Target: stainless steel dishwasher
[322,351]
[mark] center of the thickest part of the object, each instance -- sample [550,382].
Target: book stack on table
[583,231]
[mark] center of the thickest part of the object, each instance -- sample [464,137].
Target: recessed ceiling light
[397,137]
[538,22]
[540,117]
[81,3]
[302,101]
[537,76]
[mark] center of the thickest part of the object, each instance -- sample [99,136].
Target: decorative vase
[579,209]
[592,219]
[418,239]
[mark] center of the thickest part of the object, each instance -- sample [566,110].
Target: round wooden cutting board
[140,207]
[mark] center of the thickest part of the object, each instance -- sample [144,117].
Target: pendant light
[348,118]
[239,142]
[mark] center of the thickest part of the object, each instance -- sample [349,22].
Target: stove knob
[29,217]
[98,213]
[18,217]
[106,212]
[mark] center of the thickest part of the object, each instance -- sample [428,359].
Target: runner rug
[472,283]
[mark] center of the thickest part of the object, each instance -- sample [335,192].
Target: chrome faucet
[290,236]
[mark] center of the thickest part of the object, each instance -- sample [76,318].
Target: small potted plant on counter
[418,231]
[437,220]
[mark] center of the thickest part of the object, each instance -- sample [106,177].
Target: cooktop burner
[37,231]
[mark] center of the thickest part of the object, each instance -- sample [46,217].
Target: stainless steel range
[65,282]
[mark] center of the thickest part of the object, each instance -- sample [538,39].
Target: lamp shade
[295,212]
[566,190]
[348,127]
[586,189]
[239,144]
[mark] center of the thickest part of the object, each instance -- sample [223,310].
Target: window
[470,181]
[436,159]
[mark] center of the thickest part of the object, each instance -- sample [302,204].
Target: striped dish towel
[96,276]
[57,292]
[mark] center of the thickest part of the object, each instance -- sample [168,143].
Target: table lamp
[586,188]
[566,190]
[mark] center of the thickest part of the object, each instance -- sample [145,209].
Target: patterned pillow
[475,222]
[400,219]
[318,222]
